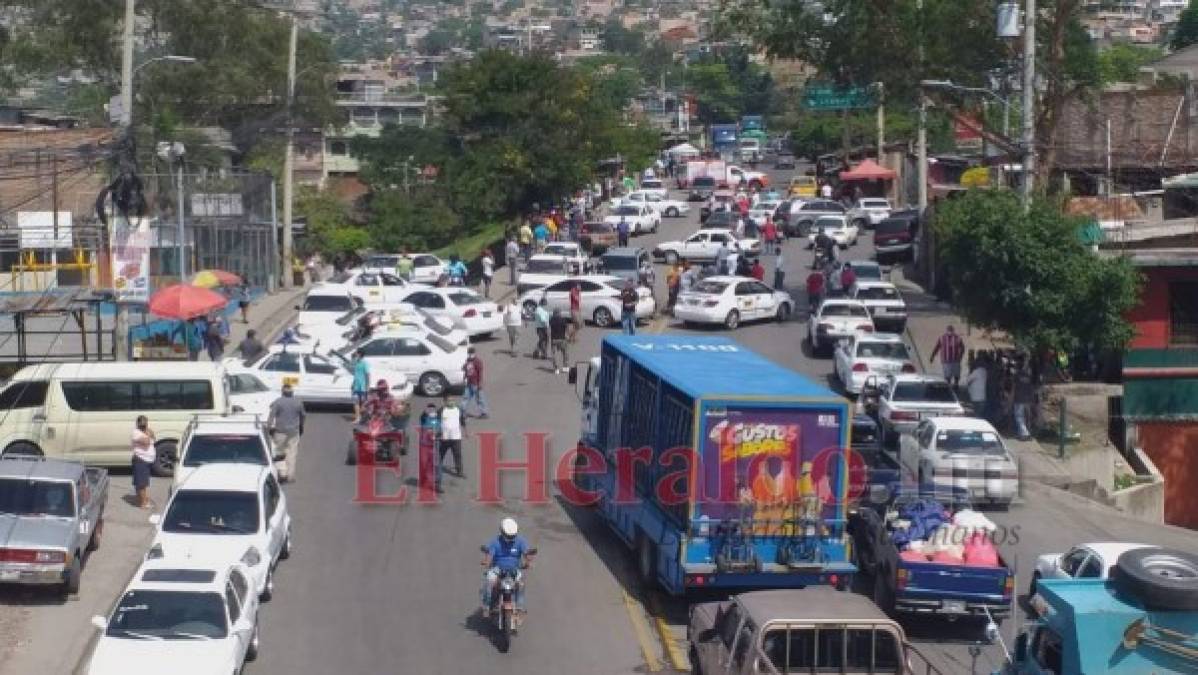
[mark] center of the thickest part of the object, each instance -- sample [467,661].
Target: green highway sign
[831,97]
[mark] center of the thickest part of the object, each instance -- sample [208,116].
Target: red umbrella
[182,301]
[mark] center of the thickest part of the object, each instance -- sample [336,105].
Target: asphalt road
[386,588]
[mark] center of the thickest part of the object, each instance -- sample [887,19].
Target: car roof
[916,377]
[225,478]
[815,603]
[879,337]
[324,288]
[38,468]
[726,278]
[952,423]
[182,574]
[294,349]
[843,301]
[219,425]
[623,251]
[134,370]
[550,257]
[874,283]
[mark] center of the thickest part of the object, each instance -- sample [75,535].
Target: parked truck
[51,516]
[737,478]
[725,175]
[724,138]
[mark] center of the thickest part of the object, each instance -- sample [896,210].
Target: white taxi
[839,228]
[433,363]
[599,296]
[227,513]
[176,615]
[729,300]
[837,318]
[370,287]
[867,355]
[467,309]
[318,379]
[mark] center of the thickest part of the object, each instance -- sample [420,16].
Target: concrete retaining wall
[1146,499]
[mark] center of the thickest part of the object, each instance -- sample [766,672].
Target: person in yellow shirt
[525,236]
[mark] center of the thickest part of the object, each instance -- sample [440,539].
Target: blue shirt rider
[506,552]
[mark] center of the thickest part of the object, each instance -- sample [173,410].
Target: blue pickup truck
[719,469]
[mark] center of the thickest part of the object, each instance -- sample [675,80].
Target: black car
[723,220]
[786,161]
[701,189]
[894,237]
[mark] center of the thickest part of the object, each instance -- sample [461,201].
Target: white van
[86,411]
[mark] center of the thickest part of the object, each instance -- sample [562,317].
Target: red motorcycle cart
[376,443]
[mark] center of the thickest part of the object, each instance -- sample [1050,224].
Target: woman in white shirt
[144,455]
[512,320]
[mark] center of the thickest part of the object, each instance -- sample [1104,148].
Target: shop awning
[868,170]
[1160,385]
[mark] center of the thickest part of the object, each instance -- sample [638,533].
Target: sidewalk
[927,318]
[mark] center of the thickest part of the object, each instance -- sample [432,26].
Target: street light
[168,152]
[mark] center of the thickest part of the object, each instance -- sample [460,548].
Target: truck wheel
[97,535]
[602,317]
[645,564]
[671,258]
[1162,578]
[70,582]
[22,448]
[165,454]
[672,212]
[732,320]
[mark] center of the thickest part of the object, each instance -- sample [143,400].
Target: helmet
[508,527]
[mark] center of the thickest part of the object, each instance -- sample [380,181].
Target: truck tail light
[1008,587]
[908,368]
[860,368]
[901,579]
[469,314]
[904,416]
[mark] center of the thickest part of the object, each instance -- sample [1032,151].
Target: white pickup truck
[664,206]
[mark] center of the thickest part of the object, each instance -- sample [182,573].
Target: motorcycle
[821,259]
[503,603]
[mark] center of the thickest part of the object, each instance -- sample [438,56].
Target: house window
[338,148]
[1183,313]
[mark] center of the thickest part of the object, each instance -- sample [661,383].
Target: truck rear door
[953,585]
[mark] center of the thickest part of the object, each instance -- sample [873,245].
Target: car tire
[22,449]
[1162,578]
[783,314]
[93,544]
[251,652]
[285,552]
[432,384]
[732,320]
[603,317]
[165,454]
[645,563]
[672,212]
[671,258]
[268,591]
[1031,588]
[860,223]
[74,575]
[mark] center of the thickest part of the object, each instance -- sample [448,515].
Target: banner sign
[130,259]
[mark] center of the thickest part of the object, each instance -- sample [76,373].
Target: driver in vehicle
[506,552]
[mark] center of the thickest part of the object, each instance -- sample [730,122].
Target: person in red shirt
[758,271]
[770,232]
[848,277]
[815,289]
[473,370]
[575,310]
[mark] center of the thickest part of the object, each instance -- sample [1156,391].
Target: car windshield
[328,303]
[436,326]
[170,615]
[25,497]
[704,182]
[875,204]
[866,270]
[969,442]
[843,310]
[543,267]
[245,383]
[710,287]
[464,298]
[212,512]
[620,262]
[627,211]
[651,184]
[892,226]
[225,449]
[877,293]
[385,261]
[882,350]
[559,249]
[931,392]
[829,223]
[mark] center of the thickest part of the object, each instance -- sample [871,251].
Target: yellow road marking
[673,652]
[643,635]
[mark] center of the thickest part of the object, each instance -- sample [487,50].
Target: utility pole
[881,125]
[922,136]
[120,328]
[289,159]
[1029,102]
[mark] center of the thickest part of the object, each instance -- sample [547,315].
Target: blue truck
[725,139]
[737,478]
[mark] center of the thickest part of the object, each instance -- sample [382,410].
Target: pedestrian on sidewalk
[525,240]
[488,263]
[251,347]
[361,384]
[511,254]
[540,235]
[951,349]
[453,429]
[779,268]
[429,452]
[559,331]
[144,455]
[541,321]
[975,384]
[513,320]
[628,300]
[243,301]
[473,370]
[193,338]
[214,342]
[1022,397]
[286,425]
[575,310]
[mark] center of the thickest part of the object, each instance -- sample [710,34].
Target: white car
[426,267]
[907,398]
[869,211]
[640,219]
[179,615]
[1084,561]
[569,252]
[406,316]
[664,206]
[837,318]
[542,270]
[600,299]
[764,209]
[867,355]
[433,363]
[704,245]
[467,309]
[885,304]
[863,270]
[324,305]
[249,395]
[962,454]
[228,513]
[315,378]
[371,287]
[839,228]
[728,300]
[654,186]
[224,439]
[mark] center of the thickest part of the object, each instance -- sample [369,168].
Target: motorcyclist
[379,402]
[826,245]
[507,552]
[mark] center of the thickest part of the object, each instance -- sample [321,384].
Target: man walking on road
[541,321]
[286,425]
[975,384]
[512,321]
[473,370]
[628,300]
[361,384]
[526,240]
[779,268]
[622,232]
[575,310]
[1022,398]
[951,349]
[558,327]
[251,347]
[511,253]
[453,428]
[488,263]
[429,454]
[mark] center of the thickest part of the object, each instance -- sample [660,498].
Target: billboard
[130,259]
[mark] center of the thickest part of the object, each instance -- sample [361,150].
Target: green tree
[620,40]
[1186,32]
[419,221]
[1121,62]
[1028,273]
[718,97]
[329,227]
